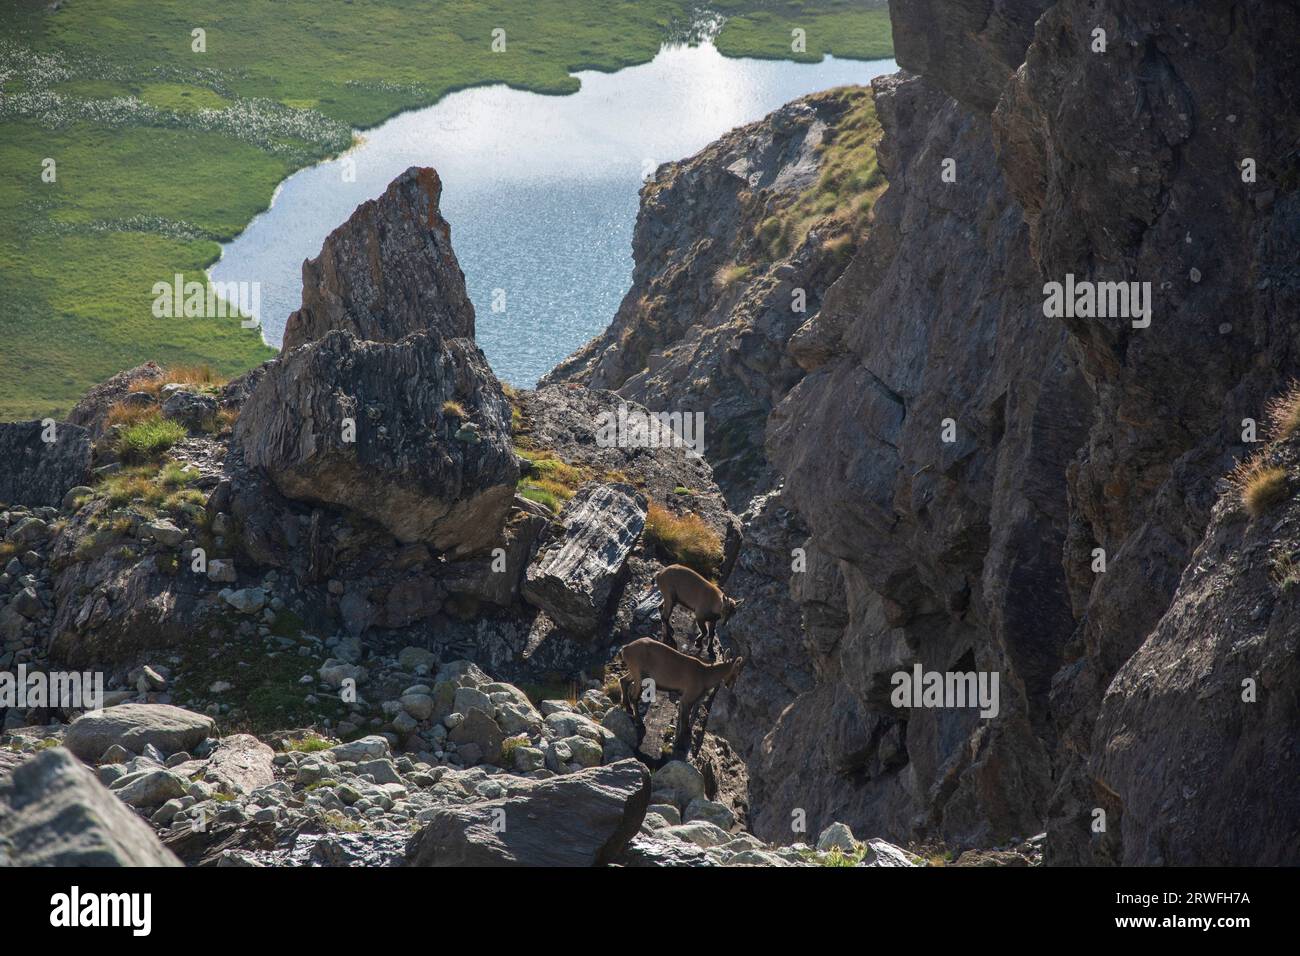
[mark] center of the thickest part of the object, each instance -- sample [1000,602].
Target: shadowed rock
[38,472]
[134,726]
[368,426]
[573,578]
[53,812]
[386,272]
[582,819]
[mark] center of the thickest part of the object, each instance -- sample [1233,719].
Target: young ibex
[672,670]
[678,584]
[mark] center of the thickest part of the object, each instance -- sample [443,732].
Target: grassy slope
[151,186]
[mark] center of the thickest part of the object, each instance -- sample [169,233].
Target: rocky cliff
[911,460]
[978,485]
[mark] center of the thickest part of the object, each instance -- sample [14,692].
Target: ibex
[678,584]
[672,670]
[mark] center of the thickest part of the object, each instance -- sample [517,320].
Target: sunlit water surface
[540,191]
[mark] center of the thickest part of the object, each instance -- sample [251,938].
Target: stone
[150,788]
[680,778]
[193,410]
[365,748]
[480,730]
[710,811]
[413,658]
[240,763]
[581,819]
[419,706]
[667,811]
[618,722]
[222,571]
[36,472]
[386,272]
[402,469]
[836,836]
[245,600]
[75,494]
[527,759]
[134,726]
[53,812]
[701,833]
[572,578]
[881,853]
[27,603]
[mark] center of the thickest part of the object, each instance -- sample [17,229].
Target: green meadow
[161,152]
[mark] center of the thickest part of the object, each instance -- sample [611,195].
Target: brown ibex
[678,584]
[670,669]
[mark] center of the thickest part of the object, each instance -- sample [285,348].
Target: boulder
[245,600]
[239,764]
[133,726]
[710,811]
[681,779]
[837,836]
[38,472]
[386,272]
[147,789]
[53,812]
[478,729]
[367,748]
[881,853]
[572,578]
[190,409]
[371,427]
[581,819]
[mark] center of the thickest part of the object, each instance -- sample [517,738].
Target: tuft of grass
[553,481]
[840,202]
[1260,485]
[148,438]
[454,410]
[309,744]
[684,539]
[1283,413]
[730,274]
[1286,572]
[508,747]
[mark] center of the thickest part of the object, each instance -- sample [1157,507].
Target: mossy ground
[162,152]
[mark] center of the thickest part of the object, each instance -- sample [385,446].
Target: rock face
[386,272]
[573,577]
[240,763]
[53,812]
[136,726]
[583,819]
[370,426]
[956,462]
[683,339]
[38,472]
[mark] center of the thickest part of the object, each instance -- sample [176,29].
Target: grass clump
[1286,572]
[1261,485]
[730,274]
[1284,413]
[148,438]
[850,181]
[309,744]
[684,539]
[552,481]
[452,409]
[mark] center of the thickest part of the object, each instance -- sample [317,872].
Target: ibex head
[737,663]
[729,606]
